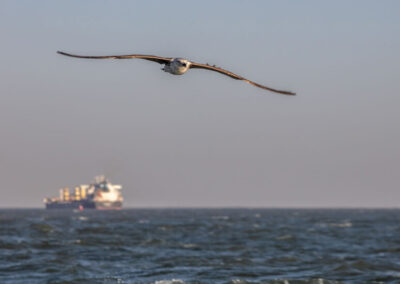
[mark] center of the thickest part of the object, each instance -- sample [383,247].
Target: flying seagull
[178,66]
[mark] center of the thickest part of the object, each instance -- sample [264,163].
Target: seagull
[178,66]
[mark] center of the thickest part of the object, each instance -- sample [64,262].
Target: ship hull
[117,205]
[85,204]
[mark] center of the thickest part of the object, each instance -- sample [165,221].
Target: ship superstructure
[100,194]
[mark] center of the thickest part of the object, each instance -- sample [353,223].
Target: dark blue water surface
[200,246]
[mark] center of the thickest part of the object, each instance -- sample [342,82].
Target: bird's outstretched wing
[161,60]
[237,77]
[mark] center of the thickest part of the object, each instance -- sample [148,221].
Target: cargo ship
[100,194]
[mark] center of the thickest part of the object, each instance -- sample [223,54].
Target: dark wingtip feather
[283,92]
[289,93]
[63,53]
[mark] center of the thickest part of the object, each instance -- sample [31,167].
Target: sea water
[200,246]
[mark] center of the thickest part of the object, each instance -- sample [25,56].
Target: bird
[179,66]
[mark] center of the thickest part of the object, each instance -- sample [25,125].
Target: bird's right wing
[237,77]
[158,59]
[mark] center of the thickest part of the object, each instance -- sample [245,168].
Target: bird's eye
[183,64]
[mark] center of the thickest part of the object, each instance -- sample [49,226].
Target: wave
[173,281]
[244,281]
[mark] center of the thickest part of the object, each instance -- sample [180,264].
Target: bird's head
[182,62]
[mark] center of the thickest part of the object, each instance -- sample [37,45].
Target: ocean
[165,246]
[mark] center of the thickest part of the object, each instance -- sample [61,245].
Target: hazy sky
[203,139]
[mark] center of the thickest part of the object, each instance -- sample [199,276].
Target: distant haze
[203,139]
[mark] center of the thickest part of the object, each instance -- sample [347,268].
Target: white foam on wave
[345,224]
[189,245]
[238,281]
[285,237]
[287,281]
[220,217]
[173,281]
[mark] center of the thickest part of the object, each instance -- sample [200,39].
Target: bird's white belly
[177,70]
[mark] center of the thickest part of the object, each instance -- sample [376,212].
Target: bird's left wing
[237,77]
[158,59]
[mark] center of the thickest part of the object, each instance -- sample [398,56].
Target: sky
[202,139]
